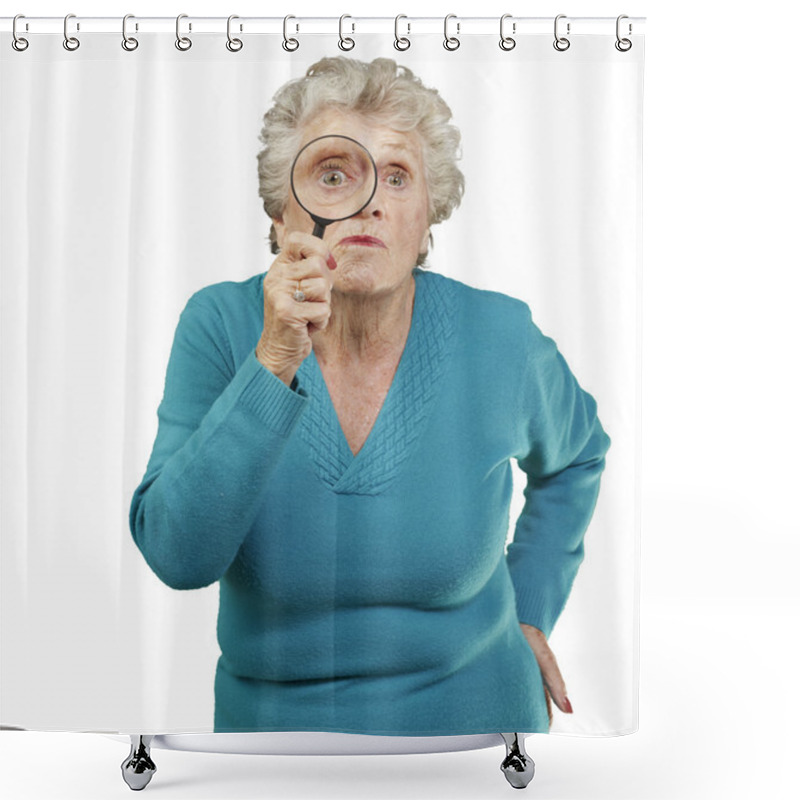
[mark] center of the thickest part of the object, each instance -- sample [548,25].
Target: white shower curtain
[129,182]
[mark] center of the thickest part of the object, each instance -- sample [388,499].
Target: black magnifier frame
[320,223]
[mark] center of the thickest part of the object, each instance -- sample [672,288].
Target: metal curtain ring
[506,42]
[128,42]
[345,42]
[234,45]
[70,42]
[18,42]
[401,42]
[182,42]
[289,44]
[623,45]
[451,42]
[561,43]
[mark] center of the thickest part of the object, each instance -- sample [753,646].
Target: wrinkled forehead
[381,140]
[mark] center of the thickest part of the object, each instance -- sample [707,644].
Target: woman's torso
[372,593]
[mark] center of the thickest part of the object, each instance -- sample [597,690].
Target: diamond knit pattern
[405,408]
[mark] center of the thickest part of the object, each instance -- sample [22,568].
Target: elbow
[171,551]
[175,576]
[593,454]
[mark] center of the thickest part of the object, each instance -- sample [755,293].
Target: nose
[375,208]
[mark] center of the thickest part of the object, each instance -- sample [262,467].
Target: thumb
[551,674]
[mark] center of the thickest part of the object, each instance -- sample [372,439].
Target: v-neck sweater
[373,593]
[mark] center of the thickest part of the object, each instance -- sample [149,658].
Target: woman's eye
[396,179]
[333,178]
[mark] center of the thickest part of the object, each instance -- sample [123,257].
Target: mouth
[363,241]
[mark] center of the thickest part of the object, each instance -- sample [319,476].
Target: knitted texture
[373,593]
[404,410]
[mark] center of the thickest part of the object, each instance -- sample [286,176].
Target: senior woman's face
[375,250]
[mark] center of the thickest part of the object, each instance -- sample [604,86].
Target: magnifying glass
[333,178]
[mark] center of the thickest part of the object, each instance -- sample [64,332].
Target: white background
[719,696]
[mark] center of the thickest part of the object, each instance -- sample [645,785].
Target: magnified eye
[333,178]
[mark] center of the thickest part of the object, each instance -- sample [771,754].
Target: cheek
[421,227]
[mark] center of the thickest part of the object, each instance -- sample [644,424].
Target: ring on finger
[299,295]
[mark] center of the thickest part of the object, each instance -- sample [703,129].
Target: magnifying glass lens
[333,178]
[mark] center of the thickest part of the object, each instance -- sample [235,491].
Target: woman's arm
[220,432]
[563,455]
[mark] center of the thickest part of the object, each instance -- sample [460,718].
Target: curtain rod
[326,25]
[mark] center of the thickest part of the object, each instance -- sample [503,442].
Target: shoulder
[227,297]
[484,313]
[227,316]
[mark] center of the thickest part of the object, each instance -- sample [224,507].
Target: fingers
[314,289]
[297,303]
[549,706]
[548,666]
[286,310]
[305,254]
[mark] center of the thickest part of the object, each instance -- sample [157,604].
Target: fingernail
[331,261]
[568,705]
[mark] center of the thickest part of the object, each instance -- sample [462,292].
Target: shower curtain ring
[290,44]
[561,43]
[401,42]
[451,42]
[128,42]
[345,42]
[623,45]
[18,42]
[234,45]
[506,42]
[70,42]
[182,42]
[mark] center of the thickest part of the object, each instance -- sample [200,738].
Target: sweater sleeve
[563,455]
[220,432]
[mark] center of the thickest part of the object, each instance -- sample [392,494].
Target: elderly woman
[335,444]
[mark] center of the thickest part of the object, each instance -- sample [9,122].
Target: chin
[356,277]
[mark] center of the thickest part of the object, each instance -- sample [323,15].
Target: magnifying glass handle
[319,229]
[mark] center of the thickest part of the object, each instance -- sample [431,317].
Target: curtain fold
[128,183]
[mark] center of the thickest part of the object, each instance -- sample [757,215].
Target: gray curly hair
[384,90]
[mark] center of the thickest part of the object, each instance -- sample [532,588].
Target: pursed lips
[363,241]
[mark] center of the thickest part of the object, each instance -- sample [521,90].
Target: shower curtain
[129,182]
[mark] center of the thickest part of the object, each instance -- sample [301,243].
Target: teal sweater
[372,593]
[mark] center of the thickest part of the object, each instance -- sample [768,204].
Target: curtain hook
[70,42]
[451,42]
[128,42]
[561,43]
[234,45]
[506,42]
[289,44]
[345,42]
[623,45]
[401,42]
[18,42]
[182,42]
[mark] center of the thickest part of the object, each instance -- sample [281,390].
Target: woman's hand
[551,675]
[305,263]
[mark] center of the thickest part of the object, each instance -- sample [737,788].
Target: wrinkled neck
[366,326]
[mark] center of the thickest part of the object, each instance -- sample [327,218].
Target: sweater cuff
[535,608]
[269,398]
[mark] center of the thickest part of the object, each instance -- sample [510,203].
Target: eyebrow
[400,147]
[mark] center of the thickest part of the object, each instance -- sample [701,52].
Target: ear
[425,244]
[280,230]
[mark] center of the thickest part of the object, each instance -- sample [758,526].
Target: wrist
[278,367]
